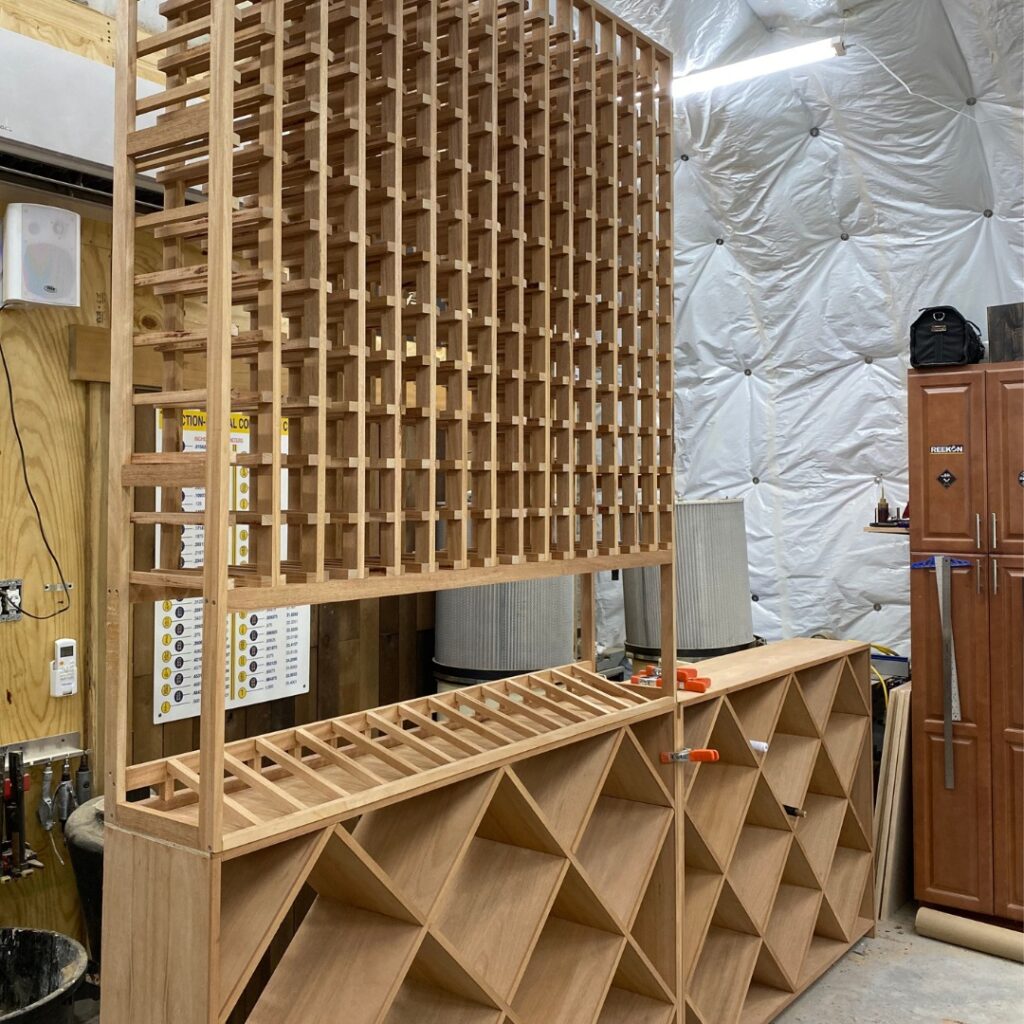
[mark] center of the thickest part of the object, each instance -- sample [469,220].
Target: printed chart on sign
[267,651]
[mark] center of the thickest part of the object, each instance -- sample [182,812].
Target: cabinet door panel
[952,828]
[1004,418]
[948,501]
[1006,623]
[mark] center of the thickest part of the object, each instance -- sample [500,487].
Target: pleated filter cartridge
[713,613]
[508,628]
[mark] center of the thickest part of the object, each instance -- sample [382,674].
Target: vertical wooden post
[218,435]
[122,423]
[267,431]
[588,617]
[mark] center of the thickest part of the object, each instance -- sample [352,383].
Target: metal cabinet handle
[995,538]
[977,530]
[995,577]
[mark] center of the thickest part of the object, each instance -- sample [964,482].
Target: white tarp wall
[816,211]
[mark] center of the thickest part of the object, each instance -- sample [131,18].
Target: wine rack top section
[741,669]
[423,252]
[302,778]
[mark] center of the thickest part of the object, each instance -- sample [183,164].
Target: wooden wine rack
[518,853]
[773,900]
[433,237]
[436,238]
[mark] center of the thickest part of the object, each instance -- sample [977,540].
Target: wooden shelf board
[624,1007]
[763,1004]
[788,766]
[756,709]
[733,673]
[362,953]
[719,990]
[698,721]
[823,953]
[846,881]
[818,832]
[620,870]
[850,697]
[566,783]
[420,1003]
[655,923]
[419,841]
[633,777]
[818,686]
[844,741]
[256,893]
[717,805]
[568,975]
[791,927]
[702,889]
[756,868]
[507,883]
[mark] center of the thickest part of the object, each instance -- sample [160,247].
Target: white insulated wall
[791,339]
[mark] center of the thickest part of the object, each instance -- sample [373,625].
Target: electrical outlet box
[10,600]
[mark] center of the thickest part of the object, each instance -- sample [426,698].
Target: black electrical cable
[35,505]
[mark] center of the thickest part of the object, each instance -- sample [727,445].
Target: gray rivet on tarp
[877,607]
[971,100]
[754,598]
[845,237]
[988,213]
[747,373]
[757,479]
[719,241]
[869,359]
[683,157]
[815,132]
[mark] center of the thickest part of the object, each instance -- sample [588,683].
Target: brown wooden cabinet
[948,503]
[953,865]
[966,438]
[1004,415]
[1006,668]
[966,431]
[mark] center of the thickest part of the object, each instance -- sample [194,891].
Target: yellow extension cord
[881,680]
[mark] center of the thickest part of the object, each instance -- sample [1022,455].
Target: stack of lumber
[893,816]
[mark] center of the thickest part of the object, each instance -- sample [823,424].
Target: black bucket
[39,975]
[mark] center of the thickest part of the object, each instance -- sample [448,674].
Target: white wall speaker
[41,257]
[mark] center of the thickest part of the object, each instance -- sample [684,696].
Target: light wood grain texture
[159,927]
[70,26]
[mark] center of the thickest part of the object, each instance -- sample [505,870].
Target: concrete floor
[897,978]
[900,977]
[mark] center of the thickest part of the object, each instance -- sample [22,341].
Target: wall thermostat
[64,668]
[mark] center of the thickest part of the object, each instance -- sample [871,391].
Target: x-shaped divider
[761,884]
[511,895]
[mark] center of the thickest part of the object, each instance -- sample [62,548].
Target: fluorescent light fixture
[756,67]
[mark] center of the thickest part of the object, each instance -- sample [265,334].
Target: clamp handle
[26,785]
[675,756]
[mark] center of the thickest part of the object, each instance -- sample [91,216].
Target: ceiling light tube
[756,67]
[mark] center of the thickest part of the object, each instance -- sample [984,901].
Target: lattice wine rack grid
[437,238]
[433,237]
[773,899]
